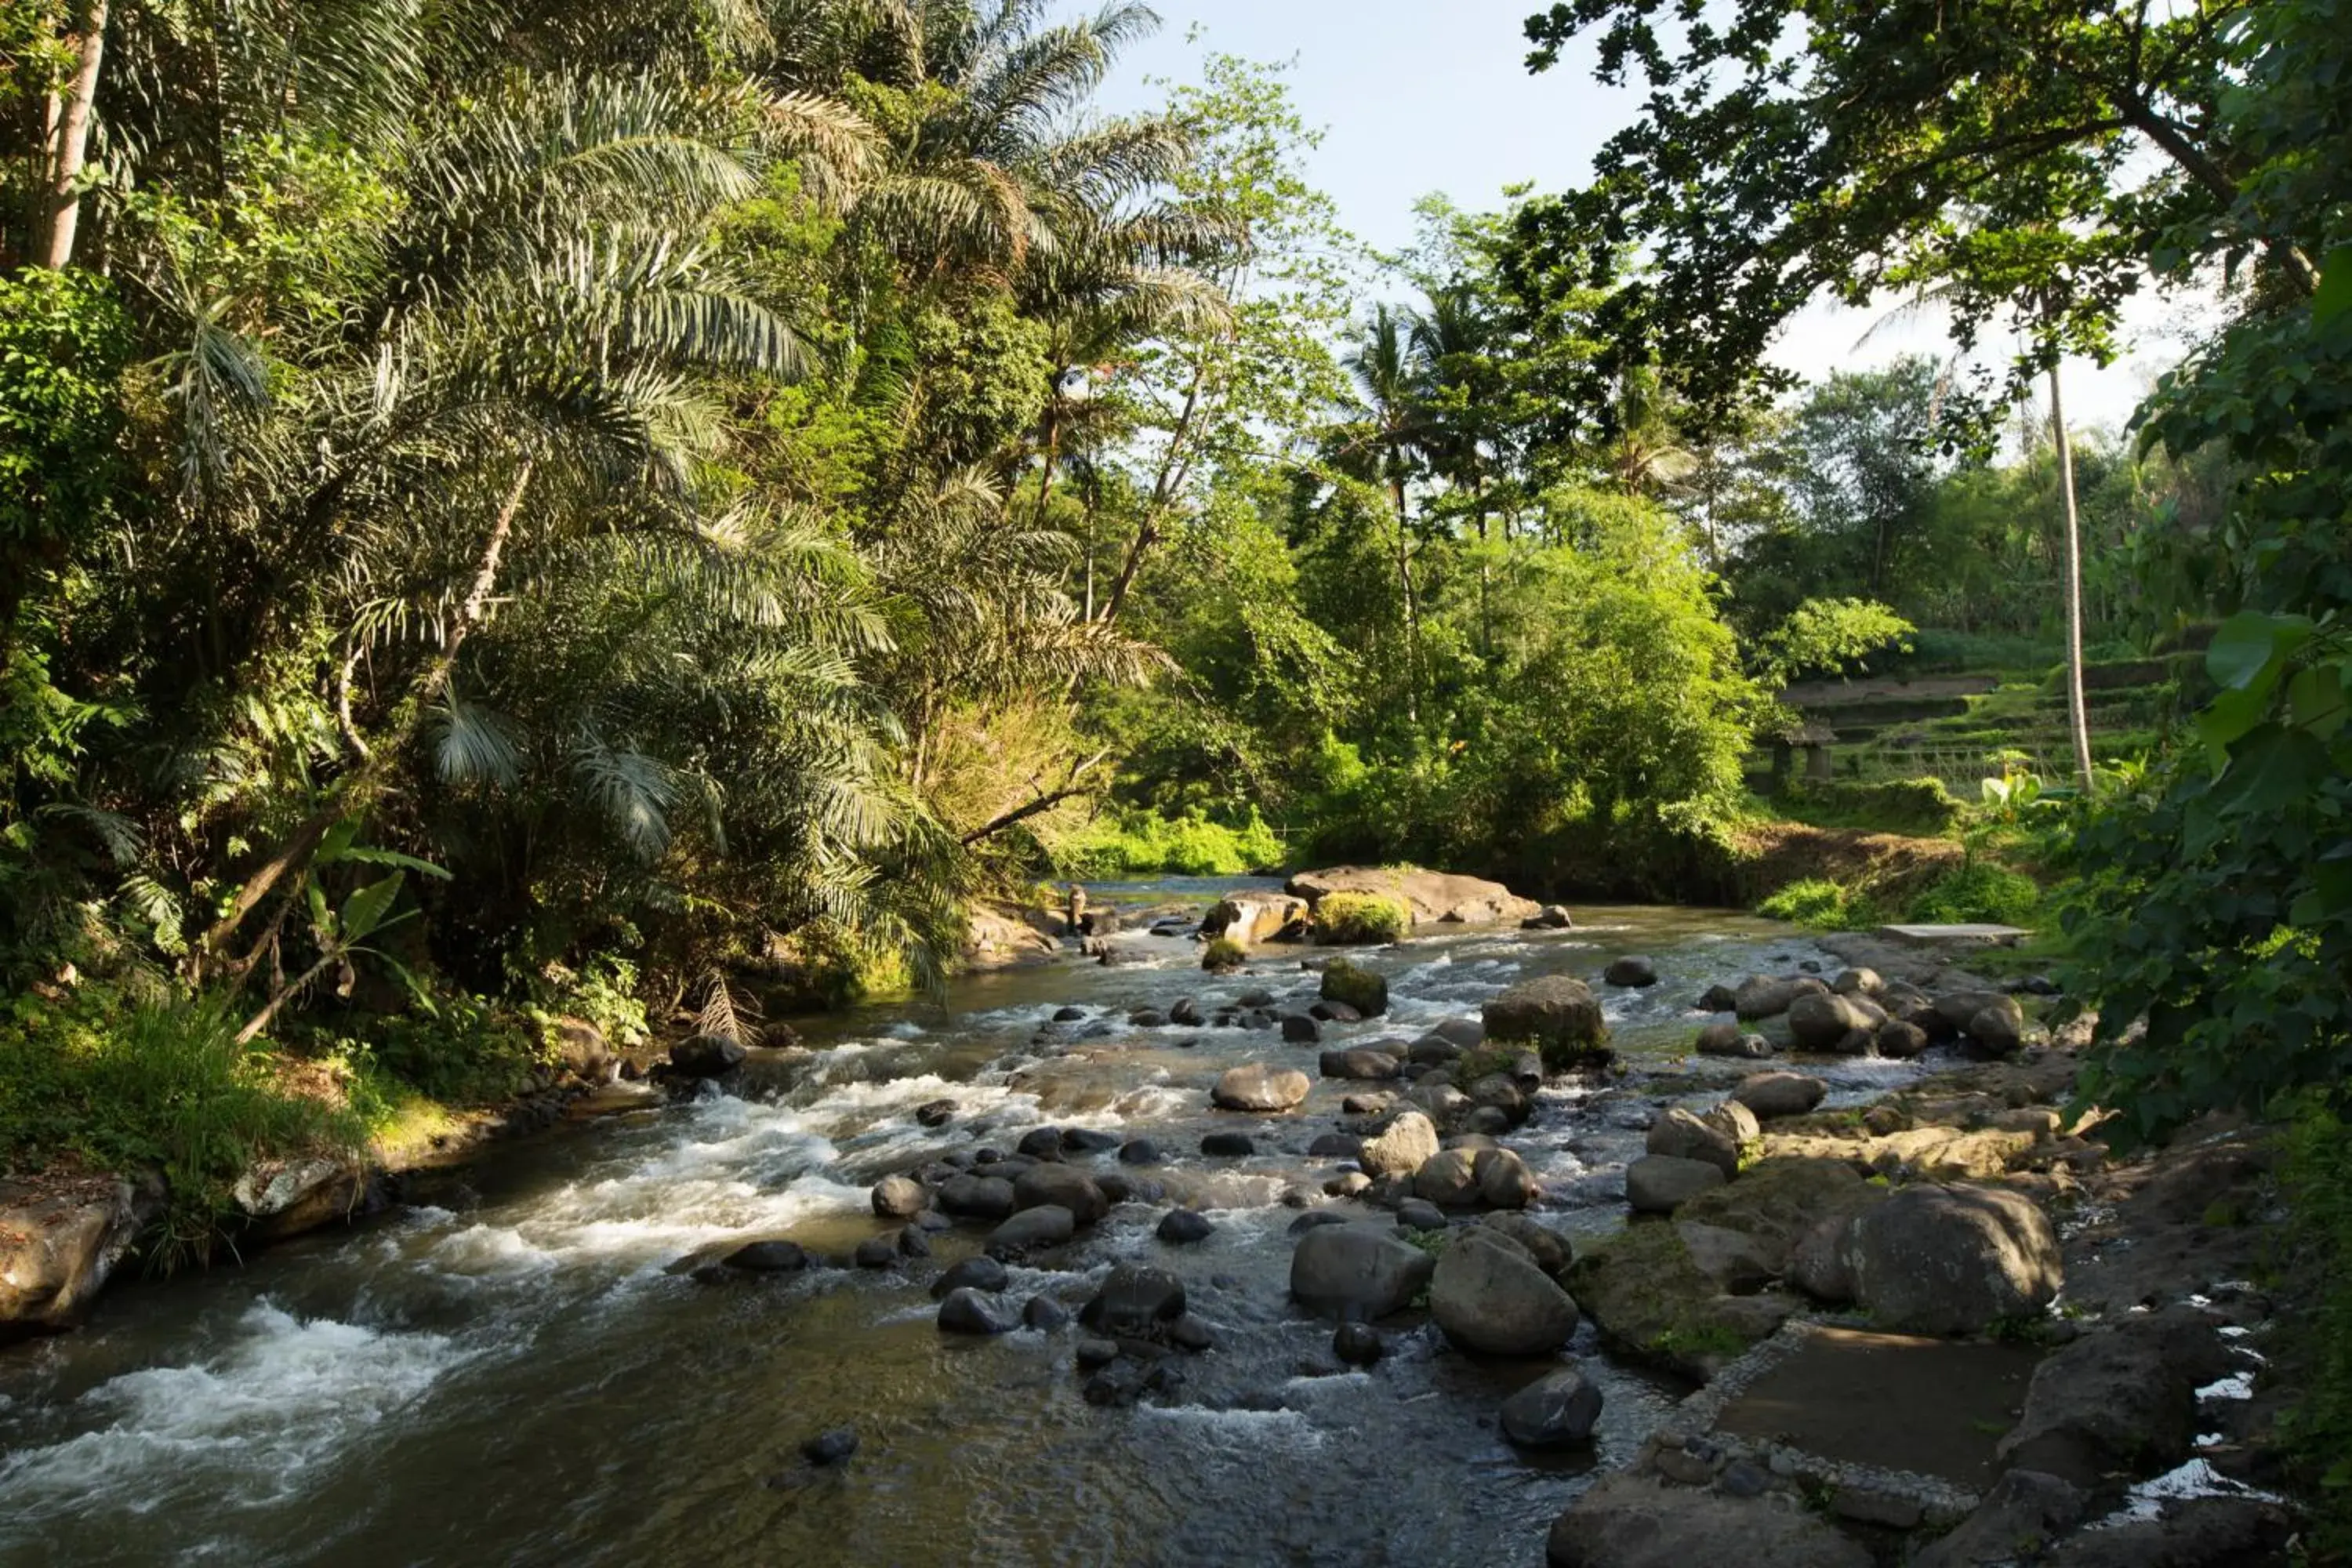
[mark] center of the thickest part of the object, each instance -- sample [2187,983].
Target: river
[517,1372]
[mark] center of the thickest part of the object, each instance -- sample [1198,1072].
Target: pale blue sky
[1431,95]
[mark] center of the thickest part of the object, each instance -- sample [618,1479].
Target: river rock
[1036,1226]
[1260,1088]
[935,1113]
[1135,1301]
[876,1252]
[1504,1180]
[1357,1344]
[1179,1227]
[1063,1187]
[1939,1259]
[968,1312]
[977,1197]
[984,1274]
[2119,1400]
[911,1242]
[1402,1148]
[1551,916]
[1044,1314]
[1997,1030]
[1858,983]
[1661,1183]
[1432,1051]
[1254,917]
[1631,972]
[1334,1146]
[1419,1214]
[1448,1178]
[1360,1064]
[1900,1041]
[1432,897]
[2022,1506]
[1683,1136]
[1140,1152]
[899,1197]
[1558,1410]
[1489,1298]
[1301,1028]
[1348,983]
[1229,1145]
[767,1257]
[1356,1272]
[1775,1094]
[1820,1021]
[1728,1039]
[1547,1246]
[1040,1143]
[1762,996]
[1087,1140]
[1632,1520]
[705,1055]
[1557,1015]
[1119,1187]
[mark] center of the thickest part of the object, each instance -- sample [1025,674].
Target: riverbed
[522,1370]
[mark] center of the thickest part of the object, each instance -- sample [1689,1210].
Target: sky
[1420,96]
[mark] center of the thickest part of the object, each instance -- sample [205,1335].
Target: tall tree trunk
[71,119]
[1411,607]
[2078,711]
[354,792]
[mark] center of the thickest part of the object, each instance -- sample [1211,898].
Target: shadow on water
[514,1373]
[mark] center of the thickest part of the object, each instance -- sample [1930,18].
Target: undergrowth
[1143,843]
[2315,1171]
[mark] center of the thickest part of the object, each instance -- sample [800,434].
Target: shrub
[1143,843]
[1821,905]
[1222,954]
[2317,1358]
[1979,893]
[123,1088]
[1903,806]
[1356,918]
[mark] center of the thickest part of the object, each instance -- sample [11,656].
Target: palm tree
[1387,375]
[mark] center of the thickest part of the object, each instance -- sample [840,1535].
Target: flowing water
[517,1372]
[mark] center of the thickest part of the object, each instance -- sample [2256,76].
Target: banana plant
[342,933]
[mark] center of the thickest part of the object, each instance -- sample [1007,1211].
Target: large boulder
[1650,1299]
[1997,1029]
[1430,897]
[1039,1225]
[1356,1273]
[1681,1135]
[1060,1187]
[1361,1063]
[1777,1202]
[977,1197]
[705,1055]
[1728,1039]
[1822,1021]
[1261,1089]
[899,1197]
[2022,1506]
[1762,996]
[1557,1410]
[287,1199]
[1557,1015]
[2119,1400]
[968,1312]
[1350,984]
[1135,1301]
[1547,1246]
[1489,1297]
[1448,1179]
[1253,918]
[1661,1183]
[57,1252]
[1631,971]
[1956,1260]
[1631,1520]
[1408,1143]
[1777,1094]
[1504,1180]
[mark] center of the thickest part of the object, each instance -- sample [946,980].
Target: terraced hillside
[1960,727]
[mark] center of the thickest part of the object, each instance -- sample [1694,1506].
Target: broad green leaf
[394,857]
[365,910]
[322,921]
[2251,646]
[2229,717]
[2335,296]
[337,844]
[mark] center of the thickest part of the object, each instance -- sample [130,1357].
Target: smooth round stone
[1358,1344]
[1229,1145]
[1179,1227]
[830,1447]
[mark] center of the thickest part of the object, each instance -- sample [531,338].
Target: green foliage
[1360,917]
[113,1086]
[456,1049]
[63,339]
[1822,904]
[1979,893]
[1133,843]
[2315,1178]
[1830,638]
[1882,805]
